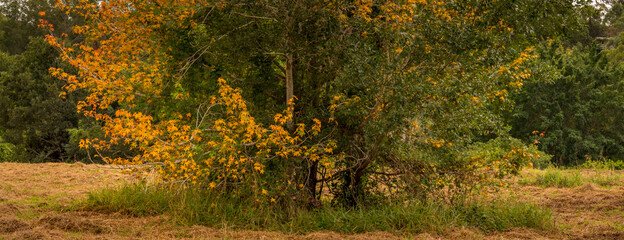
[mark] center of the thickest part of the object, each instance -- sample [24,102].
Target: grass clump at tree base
[192,206]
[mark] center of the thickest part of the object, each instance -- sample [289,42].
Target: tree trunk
[311,183]
[353,189]
[289,90]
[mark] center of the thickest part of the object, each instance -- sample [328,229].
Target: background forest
[285,101]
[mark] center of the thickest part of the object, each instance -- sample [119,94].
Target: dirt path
[32,196]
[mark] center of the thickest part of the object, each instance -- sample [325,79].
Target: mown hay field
[37,201]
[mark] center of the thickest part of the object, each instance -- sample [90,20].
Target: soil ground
[32,197]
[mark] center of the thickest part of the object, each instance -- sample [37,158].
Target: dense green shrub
[6,151]
[32,116]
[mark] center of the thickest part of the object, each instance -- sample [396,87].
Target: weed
[565,226]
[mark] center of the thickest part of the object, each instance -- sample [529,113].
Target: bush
[6,151]
[511,151]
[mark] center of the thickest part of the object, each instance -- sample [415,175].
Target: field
[38,201]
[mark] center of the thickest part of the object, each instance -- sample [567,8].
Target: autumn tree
[285,98]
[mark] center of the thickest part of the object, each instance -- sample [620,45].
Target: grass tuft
[130,199]
[569,178]
[553,178]
[193,207]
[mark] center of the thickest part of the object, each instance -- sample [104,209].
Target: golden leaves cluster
[124,68]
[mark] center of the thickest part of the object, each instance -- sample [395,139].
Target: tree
[392,82]
[19,20]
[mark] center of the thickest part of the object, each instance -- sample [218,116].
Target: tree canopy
[318,93]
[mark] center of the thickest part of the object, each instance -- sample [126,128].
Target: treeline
[438,93]
[37,123]
[571,110]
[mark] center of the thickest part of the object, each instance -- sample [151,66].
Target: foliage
[400,88]
[505,156]
[18,22]
[577,113]
[87,129]
[32,116]
[614,23]
[613,18]
[6,151]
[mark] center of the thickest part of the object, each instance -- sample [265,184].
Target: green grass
[606,164]
[569,178]
[35,206]
[554,178]
[192,207]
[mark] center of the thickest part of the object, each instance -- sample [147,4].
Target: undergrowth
[189,207]
[606,164]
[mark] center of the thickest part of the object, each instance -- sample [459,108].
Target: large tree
[401,87]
